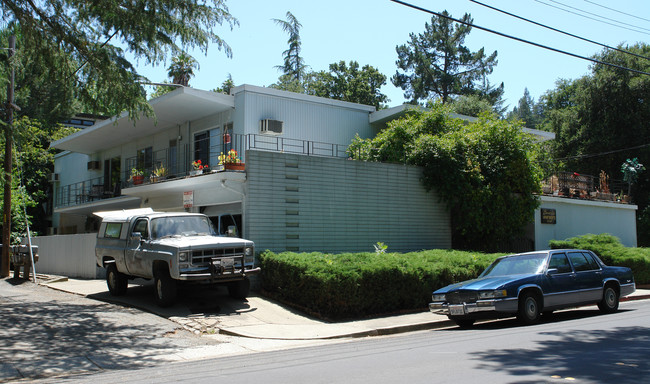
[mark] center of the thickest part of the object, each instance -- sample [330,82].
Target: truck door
[135,253]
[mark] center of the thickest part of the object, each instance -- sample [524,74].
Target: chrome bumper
[502,305]
[217,276]
[627,289]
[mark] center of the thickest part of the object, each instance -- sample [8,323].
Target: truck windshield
[181,226]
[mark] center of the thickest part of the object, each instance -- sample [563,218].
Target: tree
[486,98]
[182,69]
[527,111]
[436,63]
[484,170]
[83,32]
[34,162]
[349,83]
[294,68]
[602,119]
[226,86]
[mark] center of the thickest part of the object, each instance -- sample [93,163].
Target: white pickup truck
[171,248]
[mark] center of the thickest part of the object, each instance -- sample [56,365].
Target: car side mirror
[551,271]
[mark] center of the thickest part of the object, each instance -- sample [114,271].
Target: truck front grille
[205,256]
[460,297]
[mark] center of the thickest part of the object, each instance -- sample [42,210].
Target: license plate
[456,310]
[226,262]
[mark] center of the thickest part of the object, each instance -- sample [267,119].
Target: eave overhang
[172,109]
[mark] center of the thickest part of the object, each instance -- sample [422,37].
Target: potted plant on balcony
[198,168]
[137,176]
[231,161]
[158,174]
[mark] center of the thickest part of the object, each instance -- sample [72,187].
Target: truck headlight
[438,297]
[182,256]
[249,255]
[492,294]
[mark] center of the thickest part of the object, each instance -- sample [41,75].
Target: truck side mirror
[232,231]
[136,236]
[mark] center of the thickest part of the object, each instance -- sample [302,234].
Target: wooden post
[6,222]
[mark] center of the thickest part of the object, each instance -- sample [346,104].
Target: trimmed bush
[338,286]
[612,252]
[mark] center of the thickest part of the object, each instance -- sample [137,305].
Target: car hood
[486,283]
[203,242]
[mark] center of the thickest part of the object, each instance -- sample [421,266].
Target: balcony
[586,187]
[175,164]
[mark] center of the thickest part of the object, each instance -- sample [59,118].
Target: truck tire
[117,282]
[239,289]
[165,287]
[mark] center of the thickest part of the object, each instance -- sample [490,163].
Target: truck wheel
[117,282]
[165,287]
[239,289]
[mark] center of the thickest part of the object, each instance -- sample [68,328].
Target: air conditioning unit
[93,165]
[54,177]
[273,127]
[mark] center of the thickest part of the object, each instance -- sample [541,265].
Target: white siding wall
[304,203]
[67,255]
[579,217]
[305,117]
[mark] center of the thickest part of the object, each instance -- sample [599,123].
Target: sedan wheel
[609,303]
[529,309]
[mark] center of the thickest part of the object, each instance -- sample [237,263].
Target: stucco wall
[579,217]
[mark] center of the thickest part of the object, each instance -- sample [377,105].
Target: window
[208,145]
[145,159]
[113,230]
[141,226]
[560,262]
[580,262]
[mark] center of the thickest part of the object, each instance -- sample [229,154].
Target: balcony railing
[580,186]
[176,162]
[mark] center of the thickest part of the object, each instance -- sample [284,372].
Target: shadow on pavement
[48,337]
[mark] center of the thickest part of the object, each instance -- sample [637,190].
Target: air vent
[273,127]
[93,165]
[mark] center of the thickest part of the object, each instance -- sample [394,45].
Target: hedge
[612,252]
[352,285]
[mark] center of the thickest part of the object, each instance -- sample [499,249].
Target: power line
[587,156]
[518,38]
[595,14]
[616,10]
[590,18]
[559,31]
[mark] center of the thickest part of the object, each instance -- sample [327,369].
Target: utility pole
[6,223]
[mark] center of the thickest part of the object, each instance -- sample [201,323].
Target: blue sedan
[529,284]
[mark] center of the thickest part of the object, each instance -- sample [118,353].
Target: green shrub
[612,252]
[361,284]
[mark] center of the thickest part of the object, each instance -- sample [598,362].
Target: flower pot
[235,166]
[196,172]
[138,179]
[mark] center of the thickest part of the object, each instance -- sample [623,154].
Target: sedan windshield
[177,226]
[515,265]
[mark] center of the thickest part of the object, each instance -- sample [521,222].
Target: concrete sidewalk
[258,317]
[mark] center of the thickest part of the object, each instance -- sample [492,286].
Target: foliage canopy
[484,170]
[436,63]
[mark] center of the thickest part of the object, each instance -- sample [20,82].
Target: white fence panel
[67,255]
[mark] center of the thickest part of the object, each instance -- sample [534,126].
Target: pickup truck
[171,248]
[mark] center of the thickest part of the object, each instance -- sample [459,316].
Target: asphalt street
[576,346]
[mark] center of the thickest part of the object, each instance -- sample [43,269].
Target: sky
[368,31]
